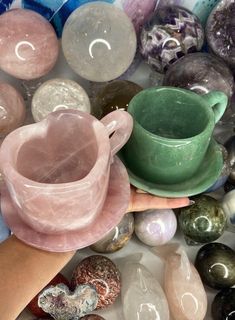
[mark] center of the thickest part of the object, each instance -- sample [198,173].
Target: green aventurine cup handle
[218,101]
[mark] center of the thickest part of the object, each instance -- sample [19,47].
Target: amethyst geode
[220,31]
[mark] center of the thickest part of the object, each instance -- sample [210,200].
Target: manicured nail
[191,202]
[140,191]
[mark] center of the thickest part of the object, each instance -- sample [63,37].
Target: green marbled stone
[223,306]
[215,262]
[203,222]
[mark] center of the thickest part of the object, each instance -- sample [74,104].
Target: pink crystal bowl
[57,170]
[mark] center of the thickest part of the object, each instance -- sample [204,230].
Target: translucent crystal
[142,295]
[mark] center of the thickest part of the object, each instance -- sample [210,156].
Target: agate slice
[62,304]
[183,287]
[142,295]
[215,263]
[101,273]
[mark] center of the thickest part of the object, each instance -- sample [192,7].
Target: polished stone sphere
[99,41]
[220,31]
[28,44]
[58,94]
[100,272]
[117,238]
[204,221]
[223,305]
[215,263]
[155,227]
[12,109]
[201,73]
[168,35]
[113,96]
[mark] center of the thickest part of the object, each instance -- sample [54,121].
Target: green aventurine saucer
[206,176]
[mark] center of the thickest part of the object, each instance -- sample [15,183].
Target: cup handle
[218,101]
[120,123]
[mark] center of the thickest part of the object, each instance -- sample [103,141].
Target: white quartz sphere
[99,41]
[58,94]
[155,227]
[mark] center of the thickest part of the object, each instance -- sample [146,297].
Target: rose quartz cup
[57,170]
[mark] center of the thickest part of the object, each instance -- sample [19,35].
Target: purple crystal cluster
[220,31]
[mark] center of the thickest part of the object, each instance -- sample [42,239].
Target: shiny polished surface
[230,146]
[101,273]
[50,180]
[206,175]
[142,295]
[155,227]
[202,73]
[183,287]
[113,96]
[170,33]
[204,221]
[220,31]
[99,41]
[223,305]
[58,94]
[172,132]
[117,238]
[12,109]
[28,44]
[215,263]
[228,205]
[114,208]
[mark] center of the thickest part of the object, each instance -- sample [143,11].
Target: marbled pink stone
[28,44]
[12,109]
[57,170]
[183,286]
[114,208]
[139,11]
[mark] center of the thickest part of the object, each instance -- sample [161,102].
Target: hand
[140,201]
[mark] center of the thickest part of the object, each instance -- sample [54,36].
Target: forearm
[24,271]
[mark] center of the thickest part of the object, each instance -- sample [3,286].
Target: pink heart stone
[28,44]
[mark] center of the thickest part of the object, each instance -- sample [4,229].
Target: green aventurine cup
[172,131]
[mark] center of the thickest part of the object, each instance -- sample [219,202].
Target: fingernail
[140,191]
[191,202]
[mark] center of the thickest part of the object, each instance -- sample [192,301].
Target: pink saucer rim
[115,207]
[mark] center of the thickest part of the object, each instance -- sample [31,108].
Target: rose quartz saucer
[114,208]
